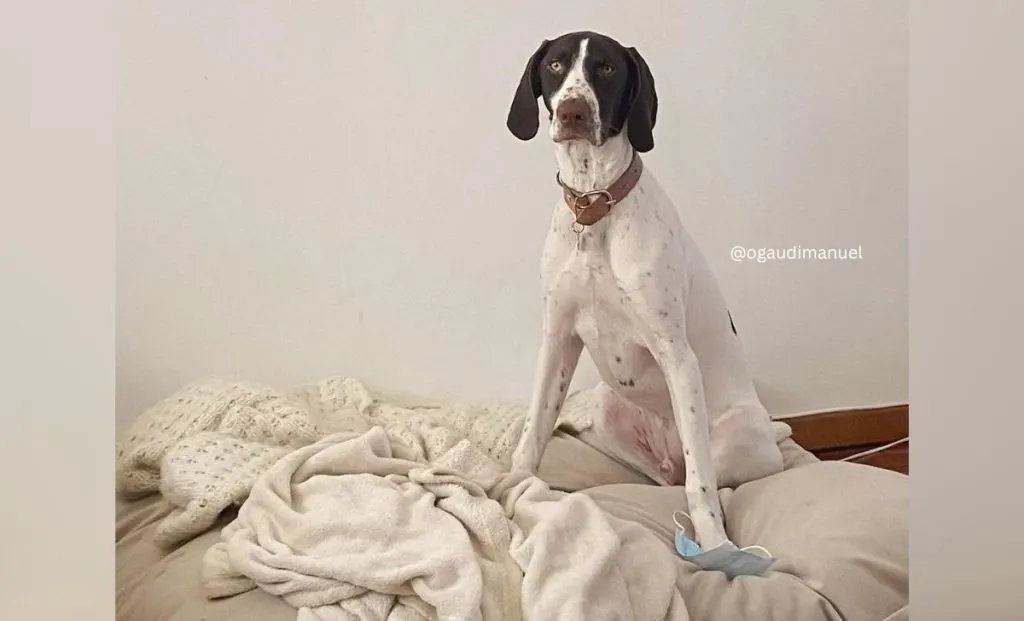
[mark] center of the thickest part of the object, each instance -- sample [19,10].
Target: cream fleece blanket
[204,446]
[352,528]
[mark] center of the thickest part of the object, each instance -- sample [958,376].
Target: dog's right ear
[522,116]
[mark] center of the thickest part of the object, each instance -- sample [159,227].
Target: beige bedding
[839,531]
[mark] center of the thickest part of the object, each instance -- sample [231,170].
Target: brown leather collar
[590,207]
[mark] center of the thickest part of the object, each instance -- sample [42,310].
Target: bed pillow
[839,531]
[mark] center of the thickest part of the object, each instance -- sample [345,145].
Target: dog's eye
[555,66]
[607,69]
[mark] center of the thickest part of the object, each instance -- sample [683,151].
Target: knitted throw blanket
[204,446]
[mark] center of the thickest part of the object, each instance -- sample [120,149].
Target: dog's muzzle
[574,120]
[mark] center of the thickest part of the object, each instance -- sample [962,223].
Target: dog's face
[592,87]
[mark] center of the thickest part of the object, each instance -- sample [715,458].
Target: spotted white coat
[677,401]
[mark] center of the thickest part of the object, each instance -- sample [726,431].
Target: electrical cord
[877,449]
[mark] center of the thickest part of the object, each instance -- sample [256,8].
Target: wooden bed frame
[839,434]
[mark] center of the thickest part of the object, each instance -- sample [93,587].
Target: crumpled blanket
[204,446]
[353,527]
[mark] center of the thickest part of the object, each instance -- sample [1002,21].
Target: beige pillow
[839,531]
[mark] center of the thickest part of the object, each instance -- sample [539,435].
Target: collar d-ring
[589,207]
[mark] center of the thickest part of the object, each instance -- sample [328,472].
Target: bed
[590,538]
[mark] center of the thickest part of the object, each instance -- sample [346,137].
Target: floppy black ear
[522,116]
[643,110]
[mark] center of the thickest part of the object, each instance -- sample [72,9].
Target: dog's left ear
[522,116]
[643,109]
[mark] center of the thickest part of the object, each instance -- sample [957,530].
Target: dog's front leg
[560,351]
[686,391]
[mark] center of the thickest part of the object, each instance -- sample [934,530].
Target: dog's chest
[604,318]
[603,315]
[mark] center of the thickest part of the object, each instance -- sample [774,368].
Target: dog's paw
[710,533]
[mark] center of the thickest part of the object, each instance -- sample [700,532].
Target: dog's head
[593,88]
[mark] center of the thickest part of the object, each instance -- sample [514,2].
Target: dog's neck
[585,167]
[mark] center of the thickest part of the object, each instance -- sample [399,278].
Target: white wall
[310,189]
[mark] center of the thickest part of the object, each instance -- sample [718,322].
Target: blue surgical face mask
[726,558]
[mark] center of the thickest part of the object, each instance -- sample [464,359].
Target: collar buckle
[578,198]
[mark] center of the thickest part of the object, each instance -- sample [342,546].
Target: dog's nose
[574,115]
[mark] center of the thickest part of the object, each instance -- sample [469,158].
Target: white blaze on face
[576,84]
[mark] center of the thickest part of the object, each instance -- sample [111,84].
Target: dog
[623,278]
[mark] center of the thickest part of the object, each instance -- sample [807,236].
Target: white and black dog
[622,277]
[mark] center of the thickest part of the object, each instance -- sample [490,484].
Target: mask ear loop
[769,554]
[675,519]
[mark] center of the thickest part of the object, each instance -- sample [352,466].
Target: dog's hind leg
[744,445]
